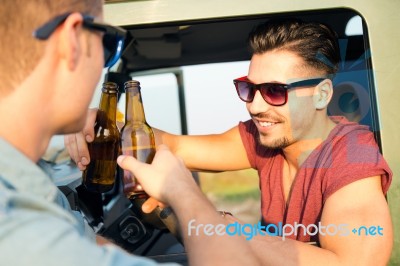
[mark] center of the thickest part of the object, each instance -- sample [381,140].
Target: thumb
[133,165]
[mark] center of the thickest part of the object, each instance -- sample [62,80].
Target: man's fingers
[77,149]
[149,205]
[70,145]
[162,147]
[153,177]
[131,164]
[88,130]
[82,149]
[162,205]
[76,143]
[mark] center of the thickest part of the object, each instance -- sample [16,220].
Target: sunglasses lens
[245,91]
[112,49]
[274,94]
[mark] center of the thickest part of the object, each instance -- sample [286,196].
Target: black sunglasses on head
[113,36]
[275,94]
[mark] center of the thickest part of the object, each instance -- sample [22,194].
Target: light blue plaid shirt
[37,225]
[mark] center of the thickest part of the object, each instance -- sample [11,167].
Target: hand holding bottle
[164,178]
[77,143]
[77,146]
[100,174]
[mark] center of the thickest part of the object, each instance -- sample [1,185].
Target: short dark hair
[315,42]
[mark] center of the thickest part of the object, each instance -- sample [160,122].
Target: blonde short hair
[19,51]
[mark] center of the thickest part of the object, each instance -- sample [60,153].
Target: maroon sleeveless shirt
[348,154]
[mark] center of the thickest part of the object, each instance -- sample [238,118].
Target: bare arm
[216,152]
[361,203]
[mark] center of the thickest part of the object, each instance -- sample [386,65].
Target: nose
[258,105]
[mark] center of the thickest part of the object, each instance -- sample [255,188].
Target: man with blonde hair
[52,55]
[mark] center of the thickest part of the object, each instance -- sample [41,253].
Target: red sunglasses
[275,94]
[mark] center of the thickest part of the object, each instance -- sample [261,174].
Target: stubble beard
[276,144]
[265,140]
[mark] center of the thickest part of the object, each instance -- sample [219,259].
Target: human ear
[69,45]
[323,94]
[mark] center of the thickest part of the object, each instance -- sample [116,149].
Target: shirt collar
[23,174]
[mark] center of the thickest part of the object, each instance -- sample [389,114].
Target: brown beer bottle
[137,137]
[100,174]
[137,140]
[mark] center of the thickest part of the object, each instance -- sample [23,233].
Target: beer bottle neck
[108,104]
[134,107]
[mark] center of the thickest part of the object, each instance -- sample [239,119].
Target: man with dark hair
[52,60]
[322,178]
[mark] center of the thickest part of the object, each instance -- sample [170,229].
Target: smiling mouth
[266,120]
[266,124]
